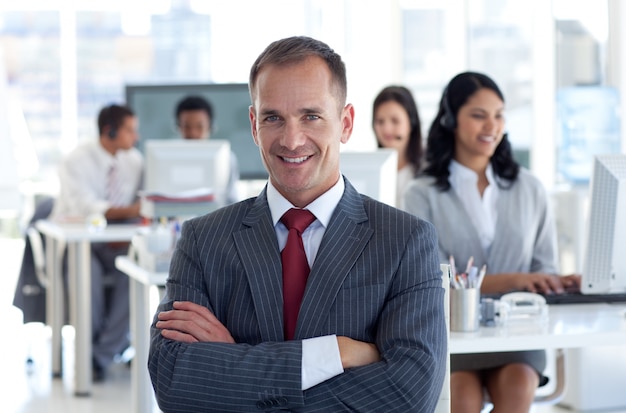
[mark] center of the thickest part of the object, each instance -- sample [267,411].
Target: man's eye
[312,117]
[272,118]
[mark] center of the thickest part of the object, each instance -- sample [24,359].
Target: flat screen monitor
[372,173]
[604,265]
[175,166]
[155,107]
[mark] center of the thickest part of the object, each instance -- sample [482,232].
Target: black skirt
[486,361]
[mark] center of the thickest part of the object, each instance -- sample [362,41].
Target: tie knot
[298,219]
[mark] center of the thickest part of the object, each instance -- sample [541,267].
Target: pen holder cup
[464,309]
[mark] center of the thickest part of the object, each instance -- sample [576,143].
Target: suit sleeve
[411,337]
[266,376]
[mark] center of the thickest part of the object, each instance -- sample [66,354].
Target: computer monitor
[372,173]
[155,105]
[177,165]
[604,266]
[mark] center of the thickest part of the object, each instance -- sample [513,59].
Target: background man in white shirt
[103,177]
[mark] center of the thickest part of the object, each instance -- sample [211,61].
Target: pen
[452,266]
[472,277]
[470,263]
[453,281]
[481,276]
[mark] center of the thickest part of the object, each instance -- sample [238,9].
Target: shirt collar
[322,207]
[104,155]
[461,174]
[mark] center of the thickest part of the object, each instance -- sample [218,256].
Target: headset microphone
[398,138]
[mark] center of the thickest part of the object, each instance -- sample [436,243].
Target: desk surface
[136,272]
[72,232]
[568,326]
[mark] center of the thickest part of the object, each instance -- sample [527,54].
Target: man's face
[298,125]
[127,134]
[194,124]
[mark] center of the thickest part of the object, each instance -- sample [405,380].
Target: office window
[65,64]
[588,114]
[64,60]
[500,45]
[174,47]
[433,50]
[30,60]
[441,39]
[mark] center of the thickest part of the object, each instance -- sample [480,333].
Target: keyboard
[580,298]
[574,298]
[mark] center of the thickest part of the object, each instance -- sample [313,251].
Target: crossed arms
[208,353]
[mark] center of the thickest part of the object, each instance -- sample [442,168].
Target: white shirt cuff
[320,360]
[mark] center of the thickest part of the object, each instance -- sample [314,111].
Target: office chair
[30,292]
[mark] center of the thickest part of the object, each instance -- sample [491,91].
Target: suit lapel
[341,246]
[263,268]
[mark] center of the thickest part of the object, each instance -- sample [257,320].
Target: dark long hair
[403,96]
[440,145]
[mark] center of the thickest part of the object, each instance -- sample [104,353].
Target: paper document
[191,195]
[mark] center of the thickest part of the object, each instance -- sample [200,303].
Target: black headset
[447,119]
[112,132]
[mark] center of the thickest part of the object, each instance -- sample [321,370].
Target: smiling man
[367,331]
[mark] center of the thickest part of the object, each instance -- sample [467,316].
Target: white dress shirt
[321,359]
[83,177]
[481,210]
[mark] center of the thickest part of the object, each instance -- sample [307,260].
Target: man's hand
[190,323]
[356,353]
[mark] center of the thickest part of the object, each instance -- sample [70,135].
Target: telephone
[525,305]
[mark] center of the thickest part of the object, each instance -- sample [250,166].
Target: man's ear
[253,128]
[347,120]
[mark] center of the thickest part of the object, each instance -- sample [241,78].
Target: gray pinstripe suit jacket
[376,278]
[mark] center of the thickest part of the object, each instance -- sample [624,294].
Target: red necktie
[295,266]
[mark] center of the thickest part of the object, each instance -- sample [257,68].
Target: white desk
[140,319]
[568,326]
[78,239]
[574,326]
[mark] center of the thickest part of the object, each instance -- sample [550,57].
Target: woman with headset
[396,124]
[485,206]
